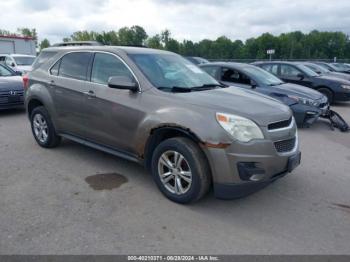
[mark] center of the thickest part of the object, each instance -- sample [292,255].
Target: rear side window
[273,69]
[55,68]
[105,66]
[42,58]
[75,65]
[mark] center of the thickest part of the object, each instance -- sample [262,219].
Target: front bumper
[261,160]
[233,191]
[11,100]
[305,115]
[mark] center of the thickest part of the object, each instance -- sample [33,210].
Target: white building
[17,45]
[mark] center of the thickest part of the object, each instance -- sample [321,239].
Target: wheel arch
[161,133]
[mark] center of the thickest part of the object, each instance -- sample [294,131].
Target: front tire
[43,129]
[180,170]
[328,93]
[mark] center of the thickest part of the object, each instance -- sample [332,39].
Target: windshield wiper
[175,89]
[207,87]
[180,89]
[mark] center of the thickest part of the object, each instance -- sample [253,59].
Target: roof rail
[78,43]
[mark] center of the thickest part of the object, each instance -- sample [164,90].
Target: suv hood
[260,108]
[8,83]
[299,91]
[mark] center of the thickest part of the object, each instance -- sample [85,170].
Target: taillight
[25,81]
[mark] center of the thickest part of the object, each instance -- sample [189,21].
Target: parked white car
[19,63]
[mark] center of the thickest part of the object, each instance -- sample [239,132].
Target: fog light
[248,171]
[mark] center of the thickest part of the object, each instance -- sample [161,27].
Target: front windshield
[317,69]
[307,71]
[263,76]
[5,72]
[166,71]
[24,60]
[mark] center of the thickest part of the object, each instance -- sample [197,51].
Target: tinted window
[105,66]
[272,68]
[75,65]
[211,70]
[55,68]
[287,70]
[24,60]
[233,76]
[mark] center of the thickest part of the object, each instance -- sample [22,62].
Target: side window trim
[121,60]
[90,64]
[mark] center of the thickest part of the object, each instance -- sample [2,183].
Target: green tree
[44,44]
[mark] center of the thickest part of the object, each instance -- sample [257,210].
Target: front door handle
[90,94]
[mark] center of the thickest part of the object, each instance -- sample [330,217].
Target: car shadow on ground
[11,112]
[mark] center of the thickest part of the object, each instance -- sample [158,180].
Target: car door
[292,74]
[68,88]
[113,116]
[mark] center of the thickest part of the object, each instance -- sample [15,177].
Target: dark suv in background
[335,89]
[157,108]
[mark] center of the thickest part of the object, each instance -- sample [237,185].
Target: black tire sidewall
[193,162]
[328,93]
[51,130]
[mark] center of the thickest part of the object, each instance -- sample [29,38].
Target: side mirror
[13,64]
[253,84]
[301,76]
[122,82]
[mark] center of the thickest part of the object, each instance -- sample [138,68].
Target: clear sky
[191,19]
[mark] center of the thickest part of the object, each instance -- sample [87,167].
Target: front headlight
[304,101]
[239,128]
[345,86]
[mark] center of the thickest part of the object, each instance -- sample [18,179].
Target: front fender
[202,125]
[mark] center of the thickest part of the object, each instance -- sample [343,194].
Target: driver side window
[289,71]
[105,66]
[233,76]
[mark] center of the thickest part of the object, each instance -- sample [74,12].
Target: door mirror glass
[122,82]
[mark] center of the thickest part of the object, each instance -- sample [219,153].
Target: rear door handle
[90,94]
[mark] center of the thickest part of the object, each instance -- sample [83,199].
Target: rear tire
[328,93]
[181,170]
[42,128]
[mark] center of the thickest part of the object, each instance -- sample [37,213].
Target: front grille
[6,98]
[285,145]
[278,125]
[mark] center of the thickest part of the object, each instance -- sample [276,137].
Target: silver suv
[157,108]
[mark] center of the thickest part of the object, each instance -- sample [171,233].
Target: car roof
[125,49]
[276,62]
[228,64]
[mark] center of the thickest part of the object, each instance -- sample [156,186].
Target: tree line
[293,45]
